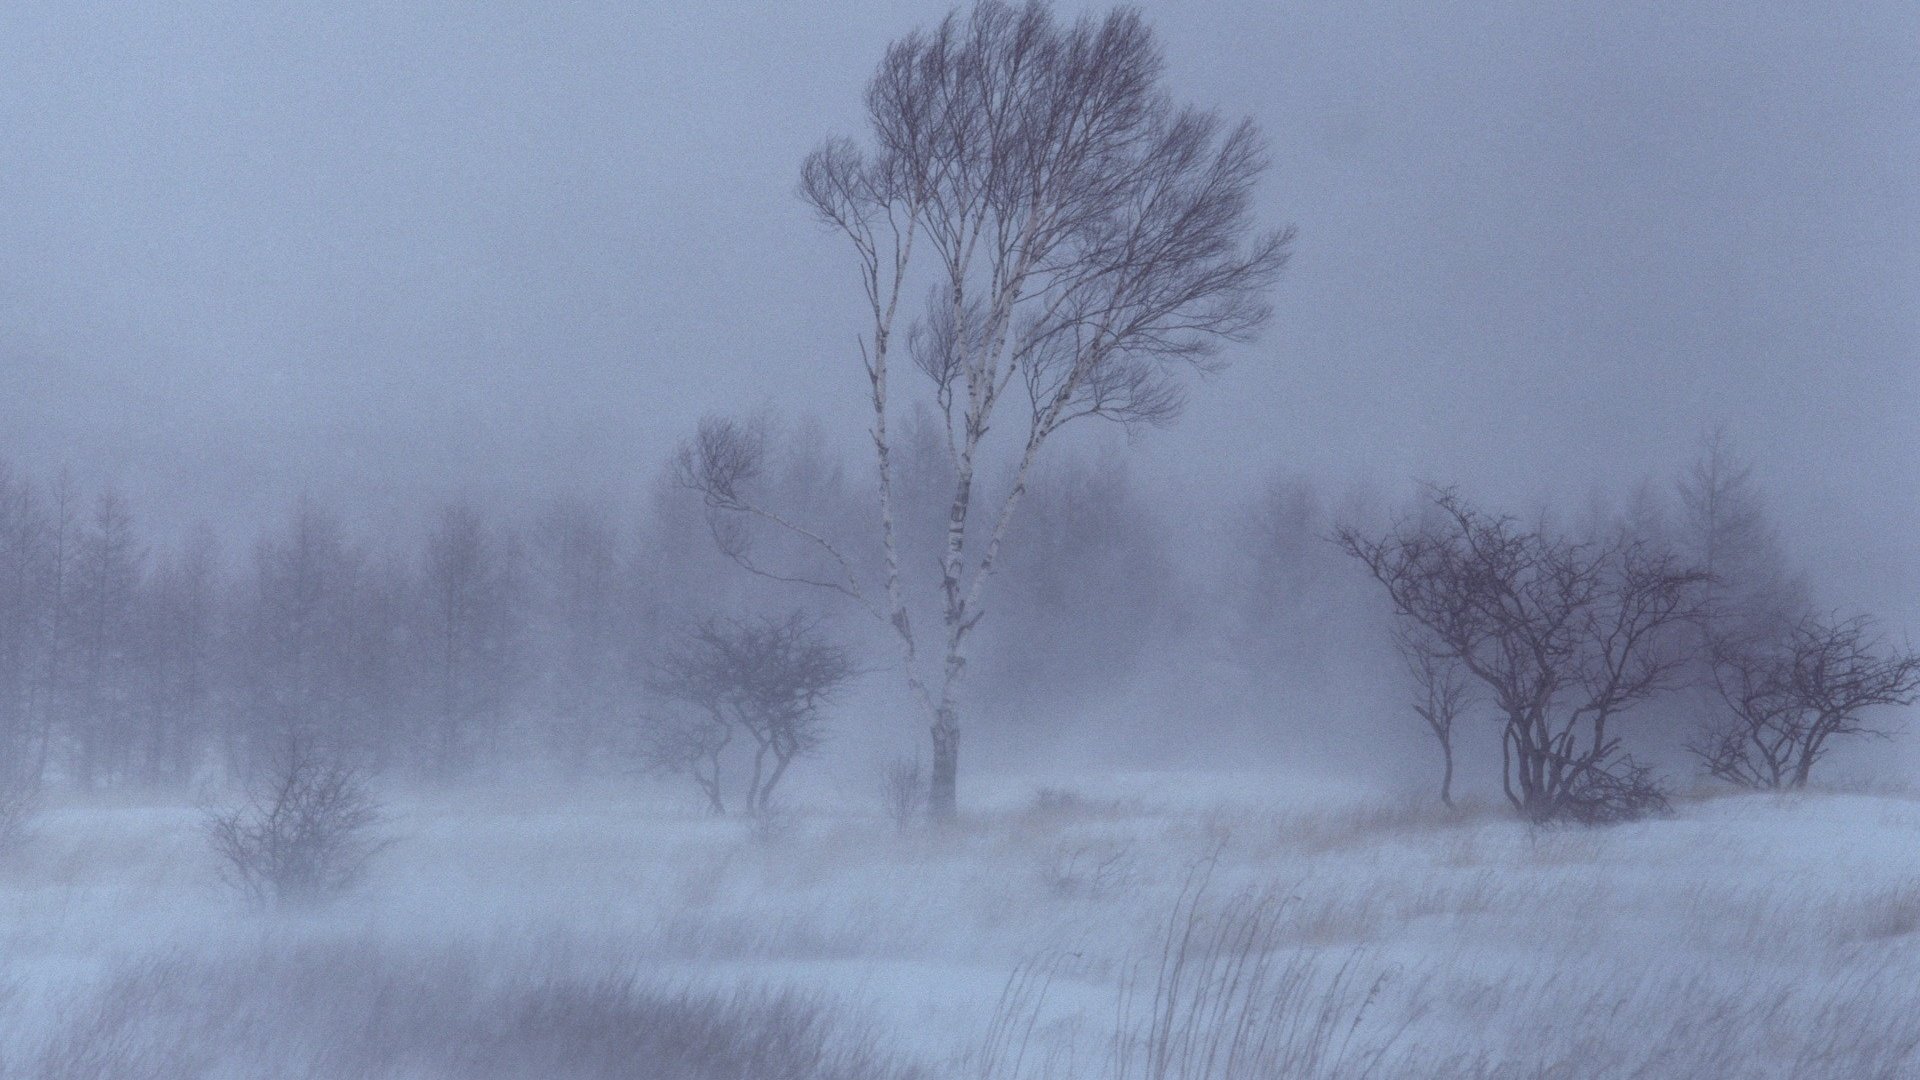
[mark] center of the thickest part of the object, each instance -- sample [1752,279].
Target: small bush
[305,832]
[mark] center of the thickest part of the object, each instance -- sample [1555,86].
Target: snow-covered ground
[1744,936]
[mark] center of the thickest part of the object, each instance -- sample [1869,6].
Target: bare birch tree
[1083,241]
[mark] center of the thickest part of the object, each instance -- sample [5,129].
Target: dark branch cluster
[1785,697]
[1564,635]
[306,831]
[766,677]
[721,463]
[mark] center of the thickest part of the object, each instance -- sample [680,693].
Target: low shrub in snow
[306,830]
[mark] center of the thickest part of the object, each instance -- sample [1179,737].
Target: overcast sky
[401,248]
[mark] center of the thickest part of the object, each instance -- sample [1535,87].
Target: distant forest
[474,639]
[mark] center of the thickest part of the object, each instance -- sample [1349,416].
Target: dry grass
[1222,997]
[366,1009]
[1746,936]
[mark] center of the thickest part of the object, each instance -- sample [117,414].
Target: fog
[369,376]
[389,251]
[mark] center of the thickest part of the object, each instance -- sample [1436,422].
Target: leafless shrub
[1565,635]
[768,677]
[1783,701]
[305,831]
[1625,792]
[903,792]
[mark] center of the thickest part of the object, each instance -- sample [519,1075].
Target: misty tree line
[468,640]
[472,640]
[123,663]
